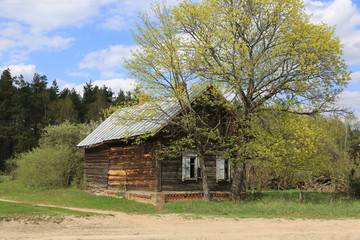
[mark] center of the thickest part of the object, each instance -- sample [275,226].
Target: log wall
[96,168]
[133,167]
[171,177]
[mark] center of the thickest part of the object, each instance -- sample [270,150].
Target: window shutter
[229,170]
[185,166]
[220,168]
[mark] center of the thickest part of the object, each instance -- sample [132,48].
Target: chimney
[143,98]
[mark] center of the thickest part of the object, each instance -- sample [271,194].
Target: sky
[75,41]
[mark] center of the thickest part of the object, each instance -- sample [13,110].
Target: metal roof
[148,118]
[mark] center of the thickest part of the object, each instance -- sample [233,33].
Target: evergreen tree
[7,108]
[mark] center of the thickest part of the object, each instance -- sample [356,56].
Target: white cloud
[47,15]
[355,77]
[126,84]
[106,59]
[27,26]
[346,16]
[17,41]
[124,14]
[350,99]
[117,83]
[117,22]
[110,75]
[26,70]
[78,74]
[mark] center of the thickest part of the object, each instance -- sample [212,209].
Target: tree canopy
[268,54]
[26,108]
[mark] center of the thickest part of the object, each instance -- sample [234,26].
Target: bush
[57,162]
[46,167]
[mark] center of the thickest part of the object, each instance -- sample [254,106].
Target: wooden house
[114,165]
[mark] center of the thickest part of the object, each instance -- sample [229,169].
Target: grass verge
[272,204]
[275,204]
[71,197]
[26,211]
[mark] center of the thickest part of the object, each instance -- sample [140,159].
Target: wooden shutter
[220,168]
[186,165]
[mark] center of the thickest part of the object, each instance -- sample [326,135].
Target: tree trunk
[238,187]
[204,177]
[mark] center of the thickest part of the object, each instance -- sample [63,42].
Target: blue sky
[75,41]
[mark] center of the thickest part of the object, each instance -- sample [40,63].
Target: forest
[27,108]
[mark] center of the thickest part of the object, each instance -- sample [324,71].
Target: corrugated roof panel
[134,121]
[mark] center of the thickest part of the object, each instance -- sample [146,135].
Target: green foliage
[269,204]
[354,183]
[62,110]
[56,162]
[67,133]
[46,167]
[294,150]
[71,197]
[274,204]
[268,53]
[21,210]
[26,108]
[7,109]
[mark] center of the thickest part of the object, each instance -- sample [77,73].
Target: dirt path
[125,226]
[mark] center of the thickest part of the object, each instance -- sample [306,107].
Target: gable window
[190,165]
[222,169]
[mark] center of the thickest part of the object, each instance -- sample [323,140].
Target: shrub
[57,162]
[46,167]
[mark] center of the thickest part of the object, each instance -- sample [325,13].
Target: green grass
[71,197]
[271,204]
[14,210]
[275,204]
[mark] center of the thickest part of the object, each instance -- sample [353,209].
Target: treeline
[26,108]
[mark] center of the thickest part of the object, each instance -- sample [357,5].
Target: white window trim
[186,165]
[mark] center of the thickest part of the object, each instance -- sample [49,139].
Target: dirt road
[124,226]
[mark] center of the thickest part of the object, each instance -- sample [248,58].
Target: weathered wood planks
[133,167]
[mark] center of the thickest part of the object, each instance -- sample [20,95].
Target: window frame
[186,166]
[221,167]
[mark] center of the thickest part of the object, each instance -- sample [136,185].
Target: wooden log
[133,183]
[117,172]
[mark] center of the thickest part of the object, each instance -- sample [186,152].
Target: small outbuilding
[115,164]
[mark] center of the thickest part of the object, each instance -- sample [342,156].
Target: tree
[292,150]
[88,97]
[164,73]
[63,110]
[123,98]
[54,91]
[7,109]
[103,98]
[267,53]
[39,103]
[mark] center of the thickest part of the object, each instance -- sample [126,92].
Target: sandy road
[125,226]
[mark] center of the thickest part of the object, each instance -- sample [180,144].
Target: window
[222,169]
[190,165]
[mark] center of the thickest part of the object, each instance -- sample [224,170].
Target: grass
[71,197]
[275,204]
[271,204]
[21,210]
